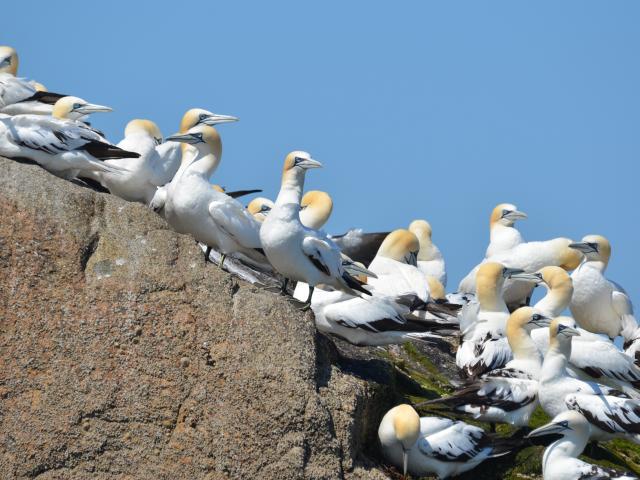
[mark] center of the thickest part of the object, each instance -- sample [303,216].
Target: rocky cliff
[124,355]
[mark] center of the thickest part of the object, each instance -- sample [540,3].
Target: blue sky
[436,110]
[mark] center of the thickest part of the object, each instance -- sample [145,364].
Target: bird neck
[291,188]
[598,265]
[521,344]
[490,297]
[566,447]
[556,359]
[555,301]
[204,163]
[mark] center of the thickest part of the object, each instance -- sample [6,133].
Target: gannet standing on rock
[593,356]
[299,253]
[611,413]
[213,218]
[508,394]
[484,344]
[430,260]
[599,305]
[529,257]
[65,148]
[19,96]
[428,445]
[560,460]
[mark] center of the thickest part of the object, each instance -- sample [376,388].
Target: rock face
[124,355]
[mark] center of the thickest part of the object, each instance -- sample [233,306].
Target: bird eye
[297,160]
[505,212]
[593,245]
[203,116]
[564,424]
[76,106]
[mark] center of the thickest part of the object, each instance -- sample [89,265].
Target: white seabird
[430,259]
[593,356]
[260,207]
[428,445]
[611,413]
[598,304]
[315,209]
[508,394]
[484,344]
[63,147]
[299,253]
[194,207]
[560,460]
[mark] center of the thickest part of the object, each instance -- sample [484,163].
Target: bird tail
[506,445]
[242,193]
[354,284]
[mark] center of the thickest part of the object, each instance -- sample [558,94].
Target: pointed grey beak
[515,215]
[216,119]
[92,108]
[529,277]
[508,272]
[307,163]
[411,258]
[568,331]
[354,269]
[184,138]
[584,247]
[548,429]
[405,461]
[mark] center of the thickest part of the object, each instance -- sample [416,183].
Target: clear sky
[436,110]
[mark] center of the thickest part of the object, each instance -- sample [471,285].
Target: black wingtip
[355,284]
[105,151]
[242,193]
[45,97]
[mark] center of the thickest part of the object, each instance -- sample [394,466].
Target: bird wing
[624,309]
[484,352]
[370,315]
[358,245]
[460,442]
[234,219]
[51,135]
[601,358]
[322,254]
[14,89]
[612,411]
[587,471]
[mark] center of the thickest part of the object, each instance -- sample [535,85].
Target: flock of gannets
[381,288]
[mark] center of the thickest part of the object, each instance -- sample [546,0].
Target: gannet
[430,260]
[299,253]
[427,445]
[315,209]
[599,305]
[211,217]
[484,344]
[530,257]
[508,394]
[260,207]
[560,460]
[503,236]
[145,173]
[611,413]
[373,320]
[74,108]
[63,147]
[176,155]
[19,96]
[593,356]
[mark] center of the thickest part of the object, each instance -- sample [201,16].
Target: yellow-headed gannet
[175,156]
[430,260]
[611,413]
[211,217]
[74,108]
[593,356]
[315,209]
[482,324]
[295,251]
[260,207]
[64,147]
[530,257]
[428,445]
[560,460]
[508,394]
[598,304]
[145,173]
[19,96]
[503,235]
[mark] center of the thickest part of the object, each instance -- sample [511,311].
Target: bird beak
[308,163]
[541,321]
[412,259]
[509,272]
[215,119]
[515,215]
[354,269]
[92,108]
[529,277]
[583,247]
[548,429]
[405,461]
[568,331]
[183,138]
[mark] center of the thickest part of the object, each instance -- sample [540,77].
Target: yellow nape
[398,244]
[487,280]
[604,247]
[555,277]
[11,56]
[519,318]
[570,258]
[436,289]
[406,424]
[496,213]
[318,206]
[142,126]
[64,106]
